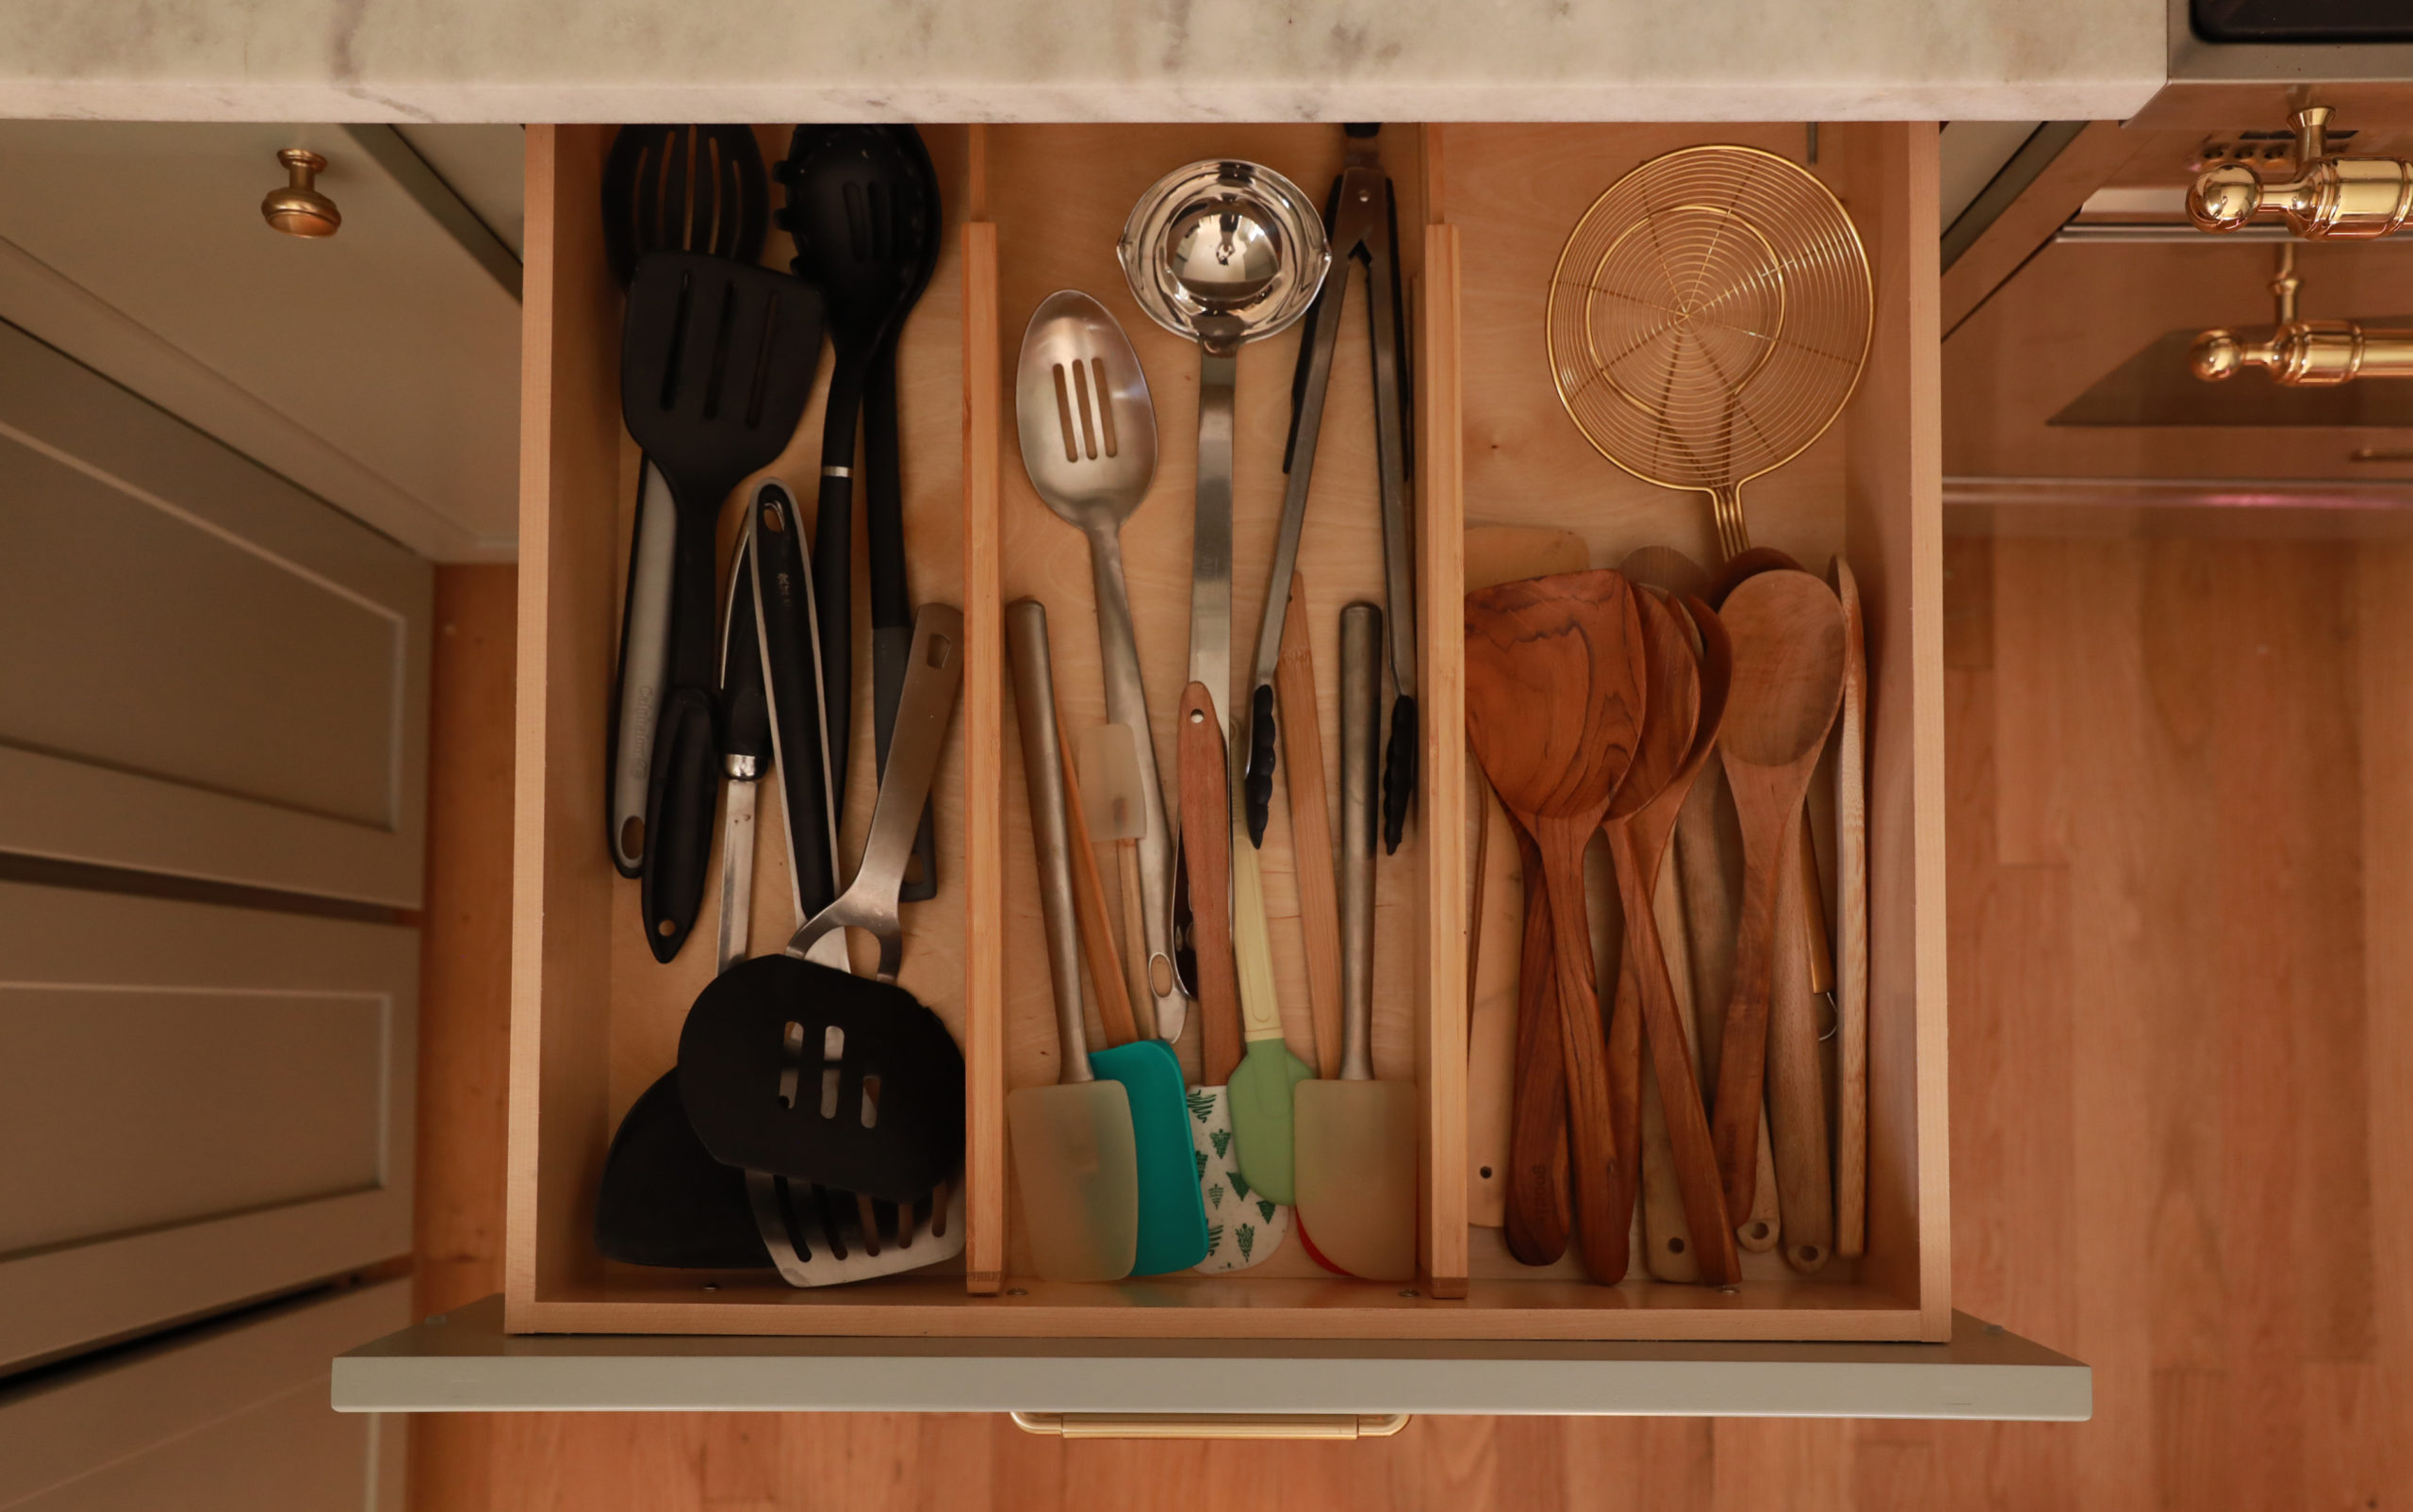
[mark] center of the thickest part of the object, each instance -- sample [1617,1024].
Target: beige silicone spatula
[1356,1138]
[1073,1150]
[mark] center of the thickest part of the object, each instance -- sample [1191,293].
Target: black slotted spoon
[716,362]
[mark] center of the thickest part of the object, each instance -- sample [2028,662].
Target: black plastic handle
[620,681]
[1399,771]
[679,819]
[780,549]
[744,713]
[892,599]
[1257,786]
[833,561]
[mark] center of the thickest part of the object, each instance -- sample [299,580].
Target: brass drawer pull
[1211,1424]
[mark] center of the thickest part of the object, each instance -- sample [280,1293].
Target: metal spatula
[716,361]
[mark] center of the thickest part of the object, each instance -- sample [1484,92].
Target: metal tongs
[1361,217]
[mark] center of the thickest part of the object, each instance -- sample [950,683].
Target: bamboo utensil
[1071,1141]
[1357,1136]
[1310,830]
[1638,823]
[1851,934]
[1111,776]
[1708,319]
[1496,1025]
[1554,692]
[1787,634]
[1796,1092]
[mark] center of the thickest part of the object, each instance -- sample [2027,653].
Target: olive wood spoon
[1555,685]
[1787,634]
[1538,1212]
[1664,766]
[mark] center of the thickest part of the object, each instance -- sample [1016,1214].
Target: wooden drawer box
[1484,211]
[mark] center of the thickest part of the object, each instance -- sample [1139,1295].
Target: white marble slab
[1078,59]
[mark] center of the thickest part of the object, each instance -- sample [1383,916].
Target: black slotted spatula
[716,362]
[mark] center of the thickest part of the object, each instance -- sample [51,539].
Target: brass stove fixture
[2300,353]
[2331,198]
[298,208]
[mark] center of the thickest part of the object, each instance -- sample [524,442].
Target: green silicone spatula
[1074,1155]
[1261,1083]
[1358,1137]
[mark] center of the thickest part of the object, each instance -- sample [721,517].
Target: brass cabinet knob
[298,209]
[2329,199]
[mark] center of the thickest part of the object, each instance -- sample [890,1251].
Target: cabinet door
[210,673]
[233,1418]
[200,1106]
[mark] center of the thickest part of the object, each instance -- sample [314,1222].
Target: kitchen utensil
[889,1123]
[1554,679]
[1310,831]
[1361,224]
[647,206]
[1222,253]
[715,363]
[745,750]
[1851,931]
[1173,1235]
[665,188]
[1071,1141]
[892,598]
[664,1200]
[1244,1225]
[859,209]
[1639,821]
[1496,1027]
[1358,1137]
[1796,1096]
[1812,933]
[1088,442]
[1708,319]
[792,680]
[1112,788]
[1787,633]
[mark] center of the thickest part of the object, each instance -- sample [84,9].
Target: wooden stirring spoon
[1787,634]
[1640,820]
[1554,692]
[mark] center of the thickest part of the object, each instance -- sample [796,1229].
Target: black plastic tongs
[1362,218]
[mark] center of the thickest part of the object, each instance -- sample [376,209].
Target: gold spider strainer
[1708,321]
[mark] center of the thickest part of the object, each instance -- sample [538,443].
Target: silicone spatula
[1073,1150]
[1243,1225]
[1173,1220]
[1358,1137]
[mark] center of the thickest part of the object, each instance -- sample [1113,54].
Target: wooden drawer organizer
[1034,208]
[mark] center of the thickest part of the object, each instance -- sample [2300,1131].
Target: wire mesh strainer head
[1708,319]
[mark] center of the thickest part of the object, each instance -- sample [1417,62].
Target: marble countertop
[1080,60]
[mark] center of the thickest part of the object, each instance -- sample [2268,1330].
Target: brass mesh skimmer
[1708,319]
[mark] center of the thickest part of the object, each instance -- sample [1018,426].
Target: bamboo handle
[1089,905]
[1742,1060]
[1851,934]
[1796,1091]
[1294,682]
[1207,823]
[1668,1253]
[1602,1226]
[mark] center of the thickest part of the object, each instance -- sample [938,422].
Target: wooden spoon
[1669,756]
[1555,690]
[1851,936]
[1787,632]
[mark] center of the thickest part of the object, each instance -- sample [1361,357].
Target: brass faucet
[2330,198]
[2300,353]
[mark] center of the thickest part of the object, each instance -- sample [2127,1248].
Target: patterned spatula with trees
[1243,1225]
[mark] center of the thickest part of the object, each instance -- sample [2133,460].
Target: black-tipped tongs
[1362,218]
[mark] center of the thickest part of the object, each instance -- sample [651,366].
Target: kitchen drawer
[1483,210]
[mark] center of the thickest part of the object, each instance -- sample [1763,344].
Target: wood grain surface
[2178,1139]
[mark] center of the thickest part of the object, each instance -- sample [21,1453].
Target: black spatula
[716,361]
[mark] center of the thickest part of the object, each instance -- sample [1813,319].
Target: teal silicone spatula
[1243,1224]
[1074,1155]
[1172,1218]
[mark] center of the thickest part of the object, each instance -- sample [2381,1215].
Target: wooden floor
[2181,860]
